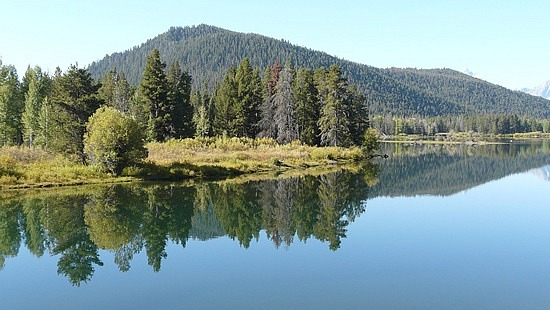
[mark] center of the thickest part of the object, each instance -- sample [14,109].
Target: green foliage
[11,106]
[179,99]
[307,107]
[154,90]
[371,140]
[113,140]
[475,124]
[116,92]
[39,85]
[74,100]
[334,122]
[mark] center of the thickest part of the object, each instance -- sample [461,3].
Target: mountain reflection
[75,224]
[443,170]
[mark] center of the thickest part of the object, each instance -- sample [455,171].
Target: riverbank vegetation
[205,158]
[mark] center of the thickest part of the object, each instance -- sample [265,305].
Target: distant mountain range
[207,52]
[542,90]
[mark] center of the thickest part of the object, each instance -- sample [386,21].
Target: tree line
[316,107]
[493,124]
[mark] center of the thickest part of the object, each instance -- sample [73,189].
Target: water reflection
[443,170]
[75,224]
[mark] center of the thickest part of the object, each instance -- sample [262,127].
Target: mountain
[207,52]
[542,90]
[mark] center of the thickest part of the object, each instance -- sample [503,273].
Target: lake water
[437,227]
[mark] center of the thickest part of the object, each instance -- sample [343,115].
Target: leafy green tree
[74,100]
[371,141]
[179,98]
[11,106]
[38,88]
[154,90]
[113,140]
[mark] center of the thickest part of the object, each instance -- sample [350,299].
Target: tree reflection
[10,232]
[69,237]
[128,219]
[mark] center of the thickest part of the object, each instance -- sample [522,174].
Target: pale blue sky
[504,42]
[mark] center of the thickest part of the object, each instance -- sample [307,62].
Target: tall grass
[25,167]
[173,160]
[246,154]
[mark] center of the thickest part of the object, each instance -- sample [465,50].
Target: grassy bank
[173,160]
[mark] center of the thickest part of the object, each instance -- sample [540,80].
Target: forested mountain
[207,52]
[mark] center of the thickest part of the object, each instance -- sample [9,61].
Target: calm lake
[431,226]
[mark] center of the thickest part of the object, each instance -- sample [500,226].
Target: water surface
[429,227]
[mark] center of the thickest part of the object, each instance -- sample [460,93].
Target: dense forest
[207,52]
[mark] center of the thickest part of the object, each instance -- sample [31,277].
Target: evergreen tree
[75,99]
[224,105]
[307,107]
[116,92]
[334,118]
[358,115]
[249,96]
[154,91]
[202,117]
[179,98]
[11,106]
[267,126]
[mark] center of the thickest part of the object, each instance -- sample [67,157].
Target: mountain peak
[543,90]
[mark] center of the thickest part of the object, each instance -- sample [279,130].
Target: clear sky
[504,42]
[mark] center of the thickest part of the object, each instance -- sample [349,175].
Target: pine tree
[358,115]
[11,106]
[249,97]
[154,89]
[267,126]
[116,92]
[334,113]
[224,105]
[307,107]
[202,117]
[179,98]
[74,99]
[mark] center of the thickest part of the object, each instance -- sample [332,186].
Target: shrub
[113,140]
[370,140]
